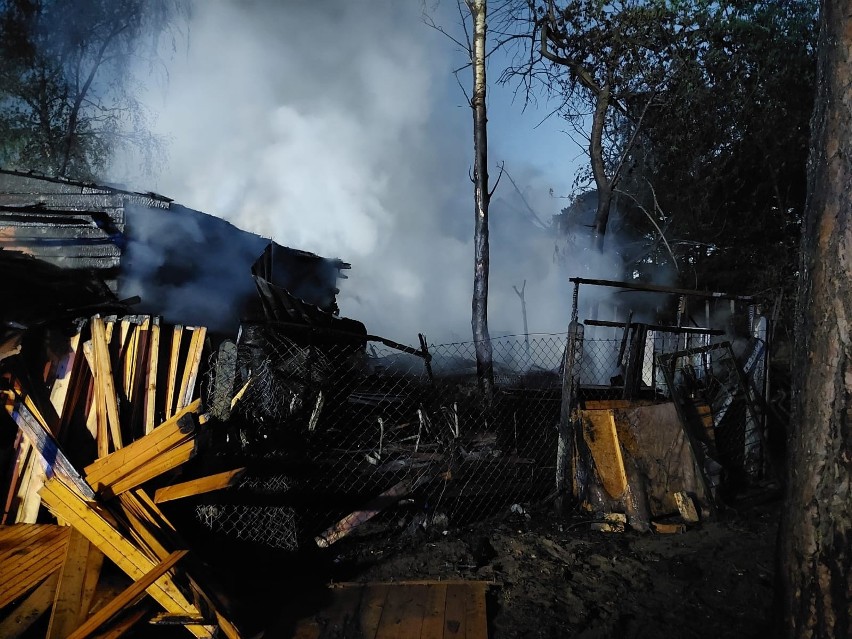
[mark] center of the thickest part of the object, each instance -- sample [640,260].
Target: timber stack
[105,417]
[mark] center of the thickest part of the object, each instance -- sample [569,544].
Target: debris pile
[104,417]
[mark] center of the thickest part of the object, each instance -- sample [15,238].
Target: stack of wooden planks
[118,399]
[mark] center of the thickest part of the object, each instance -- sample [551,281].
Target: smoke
[336,127]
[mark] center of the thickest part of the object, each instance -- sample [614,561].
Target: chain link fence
[326,427]
[335,431]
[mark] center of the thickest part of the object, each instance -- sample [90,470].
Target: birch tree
[479,318]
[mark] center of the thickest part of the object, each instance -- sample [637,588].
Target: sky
[338,127]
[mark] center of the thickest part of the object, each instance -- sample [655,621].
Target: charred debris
[168,377]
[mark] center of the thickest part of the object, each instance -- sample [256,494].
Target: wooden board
[69,591]
[28,554]
[424,609]
[198,486]
[601,437]
[64,503]
[30,609]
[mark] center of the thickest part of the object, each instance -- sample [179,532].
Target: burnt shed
[184,265]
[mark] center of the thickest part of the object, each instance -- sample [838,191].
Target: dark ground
[554,577]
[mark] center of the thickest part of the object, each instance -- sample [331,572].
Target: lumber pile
[104,418]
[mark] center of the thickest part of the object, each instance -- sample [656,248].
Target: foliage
[705,137]
[67,80]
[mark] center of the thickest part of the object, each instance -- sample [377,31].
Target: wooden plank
[31,481]
[138,381]
[96,420]
[198,486]
[145,535]
[341,615]
[31,562]
[45,443]
[40,553]
[370,510]
[150,402]
[171,377]
[10,501]
[193,362]
[163,463]
[105,379]
[226,627]
[63,376]
[11,537]
[120,626]
[434,604]
[172,432]
[30,609]
[599,432]
[372,604]
[94,563]
[66,504]
[177,619]
[476,618]
[69,590]
[159,518]
[135,590]
[455,612]
[403,612]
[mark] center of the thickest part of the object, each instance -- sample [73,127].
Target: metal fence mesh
[331,430]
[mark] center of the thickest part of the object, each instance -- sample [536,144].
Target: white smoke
[336,127]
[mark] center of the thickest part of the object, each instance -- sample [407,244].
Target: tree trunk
[479,319]
[814,586]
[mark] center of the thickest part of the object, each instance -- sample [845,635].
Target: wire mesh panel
[338,425]
[336,431]
[718,407]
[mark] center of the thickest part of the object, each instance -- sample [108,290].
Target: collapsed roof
[185,265]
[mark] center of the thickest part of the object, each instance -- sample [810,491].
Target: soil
[556,577]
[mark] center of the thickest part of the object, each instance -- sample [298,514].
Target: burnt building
[73,244]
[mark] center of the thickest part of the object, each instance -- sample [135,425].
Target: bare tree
[814,593]
[479,318]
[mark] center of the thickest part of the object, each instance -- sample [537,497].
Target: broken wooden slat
[94,563]
[119,627]
[10,501]
[177,619]
[69,591]
[28,554]
[65,503]
[150,401]
[136,589]
[193,362]
[163,463]
[171,378]
[46,445]
[198,486]
[105,380]
[63,376]
[30,609]
[139,380]
[30,481]
[145,536]
[355,519]
[172,432]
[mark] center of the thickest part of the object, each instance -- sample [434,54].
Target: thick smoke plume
[336,127]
